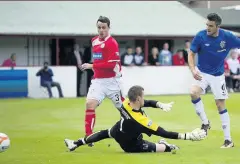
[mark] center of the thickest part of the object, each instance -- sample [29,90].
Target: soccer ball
[4,142]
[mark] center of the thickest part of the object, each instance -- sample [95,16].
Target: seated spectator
[138,57]
[11,62]
[46,80]
[153,57]
[228,78]
[165,56]
[234,67]
[178,58]
[127,59]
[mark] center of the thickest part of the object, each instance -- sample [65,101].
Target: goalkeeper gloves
[165,107]
[195,135]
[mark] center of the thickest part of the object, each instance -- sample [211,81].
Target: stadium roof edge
[69,18]
[77,35]
[229,17]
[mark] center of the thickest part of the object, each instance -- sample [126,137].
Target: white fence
[158,80]
[155,80]
[66,76]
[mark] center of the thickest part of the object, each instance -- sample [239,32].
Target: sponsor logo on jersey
[97,56]
[150,123]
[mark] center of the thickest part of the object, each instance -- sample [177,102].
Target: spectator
[186,50]
[11,62]
[165,56]
[127,59]
[238,51]
[178,59]
[138,57]
[234,66]
[228,79]
[46,75]
[153,58]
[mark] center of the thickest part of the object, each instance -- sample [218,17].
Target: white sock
[225,124]
[199,107]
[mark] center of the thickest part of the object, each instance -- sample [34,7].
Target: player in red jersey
[107,72]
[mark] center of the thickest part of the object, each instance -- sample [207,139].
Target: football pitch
[37,129]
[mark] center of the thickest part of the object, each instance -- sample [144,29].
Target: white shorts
[217,84]
[108,87]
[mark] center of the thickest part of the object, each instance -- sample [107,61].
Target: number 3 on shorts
[117,96]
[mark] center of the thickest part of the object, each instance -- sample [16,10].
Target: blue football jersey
[212,51]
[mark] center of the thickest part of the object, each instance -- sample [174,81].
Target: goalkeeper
[128,131]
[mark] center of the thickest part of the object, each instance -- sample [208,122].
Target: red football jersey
[106,59]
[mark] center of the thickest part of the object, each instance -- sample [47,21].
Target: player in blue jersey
[212,46]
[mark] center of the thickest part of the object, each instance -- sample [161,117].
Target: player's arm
[195,47]
[195,135]
[113,57]
[234,41]
[191,60]
[150,103]
[191,64]
[157,104]
[151,128]
[105,65]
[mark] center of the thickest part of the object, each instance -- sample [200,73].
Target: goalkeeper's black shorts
[141,146]
[131,146]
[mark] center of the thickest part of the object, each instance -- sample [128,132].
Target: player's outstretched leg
[95,137]
[143,146]
[199,107]
[164,146]
[90,117]
[225,124]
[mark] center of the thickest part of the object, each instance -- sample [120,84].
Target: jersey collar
[105,39]
[138,111]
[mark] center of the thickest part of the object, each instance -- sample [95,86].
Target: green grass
[37,129]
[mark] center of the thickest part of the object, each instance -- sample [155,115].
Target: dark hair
[187,41]
[215,17]
[104,19]
[12,55]
[134,92]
